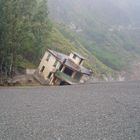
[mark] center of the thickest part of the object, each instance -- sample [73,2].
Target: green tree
[24,27]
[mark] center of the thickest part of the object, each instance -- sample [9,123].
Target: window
[68,71]
[42,69]
[80,62]
[49,76]
[55,64]
[48,57]
[61,67]
[74,56]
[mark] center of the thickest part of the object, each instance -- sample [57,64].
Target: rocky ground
[101,111]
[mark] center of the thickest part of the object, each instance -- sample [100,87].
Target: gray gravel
[104,111]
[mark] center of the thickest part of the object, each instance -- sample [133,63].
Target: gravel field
[101,111]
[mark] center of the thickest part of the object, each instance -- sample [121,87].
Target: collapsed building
[59,69]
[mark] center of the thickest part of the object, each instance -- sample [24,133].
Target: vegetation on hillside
[26,32]
[24,27]
[64,40]
[106,28]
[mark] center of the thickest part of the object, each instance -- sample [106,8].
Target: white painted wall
[48,65]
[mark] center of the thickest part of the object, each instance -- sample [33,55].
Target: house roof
[76,67]
[68,62]
[60,56]
[80,56]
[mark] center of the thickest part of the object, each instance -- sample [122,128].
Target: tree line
[24,27]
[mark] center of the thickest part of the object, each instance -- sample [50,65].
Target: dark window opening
[55,63]
[50,74]
[63,83]
[61,67]
[48,57]
[42,69]
[74,56]
[68,71]
[80,62]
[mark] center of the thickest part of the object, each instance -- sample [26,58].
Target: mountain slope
[63,41]
[106,28]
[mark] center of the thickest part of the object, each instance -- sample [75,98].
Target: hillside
[63,41]
[25,34]
[106,32]
[109,30]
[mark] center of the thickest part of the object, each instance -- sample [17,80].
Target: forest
[24,27]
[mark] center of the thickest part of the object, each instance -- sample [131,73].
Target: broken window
[42,69]
[48,57]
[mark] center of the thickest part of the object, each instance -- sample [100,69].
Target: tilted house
[60,69]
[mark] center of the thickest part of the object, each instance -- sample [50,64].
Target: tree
[23,29]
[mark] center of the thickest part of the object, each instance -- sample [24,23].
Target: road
[101,111]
